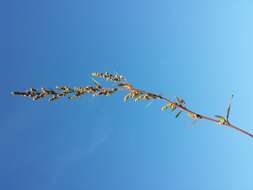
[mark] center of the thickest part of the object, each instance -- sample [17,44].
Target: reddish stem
[227,124]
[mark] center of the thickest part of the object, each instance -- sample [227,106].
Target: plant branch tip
[97,89]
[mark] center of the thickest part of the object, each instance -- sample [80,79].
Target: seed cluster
[36,94]
[108,76]
[173,105]
[73,93]
[140,95]
[98,90]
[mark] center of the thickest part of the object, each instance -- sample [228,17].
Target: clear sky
[200,50]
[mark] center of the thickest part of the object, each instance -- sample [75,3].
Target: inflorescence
[119,83]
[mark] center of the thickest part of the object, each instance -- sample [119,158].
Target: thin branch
[133,93]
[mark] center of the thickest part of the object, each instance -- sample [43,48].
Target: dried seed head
[108,76]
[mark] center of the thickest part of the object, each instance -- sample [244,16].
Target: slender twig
[133,93]
[201,116]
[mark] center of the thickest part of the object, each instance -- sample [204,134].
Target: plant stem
[123,85]
[184,109]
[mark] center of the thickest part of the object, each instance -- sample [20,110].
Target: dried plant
[120,84]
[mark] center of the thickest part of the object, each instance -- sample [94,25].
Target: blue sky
[198,50]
